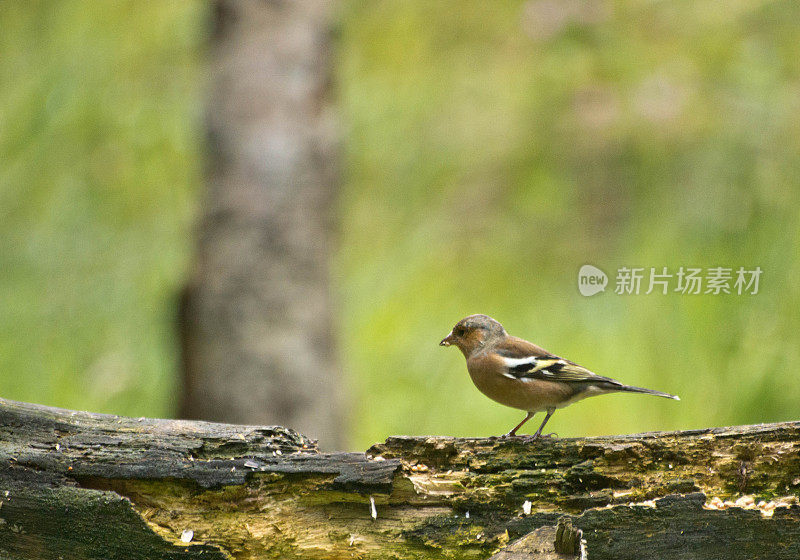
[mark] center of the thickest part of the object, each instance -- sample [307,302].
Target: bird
[522,375]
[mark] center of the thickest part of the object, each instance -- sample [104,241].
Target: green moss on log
[94,486]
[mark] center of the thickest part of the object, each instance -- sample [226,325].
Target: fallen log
[83,485]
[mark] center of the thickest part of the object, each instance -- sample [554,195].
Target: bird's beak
[448,340]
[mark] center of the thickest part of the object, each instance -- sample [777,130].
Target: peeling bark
[82,485]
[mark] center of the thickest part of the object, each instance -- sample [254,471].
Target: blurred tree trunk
[255,319]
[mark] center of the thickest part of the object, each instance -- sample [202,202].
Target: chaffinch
[519,374]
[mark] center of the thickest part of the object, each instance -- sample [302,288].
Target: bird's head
[472,333]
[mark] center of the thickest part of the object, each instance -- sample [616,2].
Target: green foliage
[491,150]
[98,185]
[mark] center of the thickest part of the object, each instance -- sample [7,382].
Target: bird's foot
[552,435]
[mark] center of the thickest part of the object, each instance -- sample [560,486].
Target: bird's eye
[459,330]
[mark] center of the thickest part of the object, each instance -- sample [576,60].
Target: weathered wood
[82,485]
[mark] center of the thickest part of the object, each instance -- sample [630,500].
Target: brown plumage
[519,374]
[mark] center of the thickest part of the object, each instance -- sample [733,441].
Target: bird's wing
[525,360]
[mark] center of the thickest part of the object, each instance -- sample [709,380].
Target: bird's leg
[513,432]
[538,433]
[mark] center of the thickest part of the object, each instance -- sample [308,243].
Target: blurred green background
[490,150]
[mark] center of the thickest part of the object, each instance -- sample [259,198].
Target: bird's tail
[632,389]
